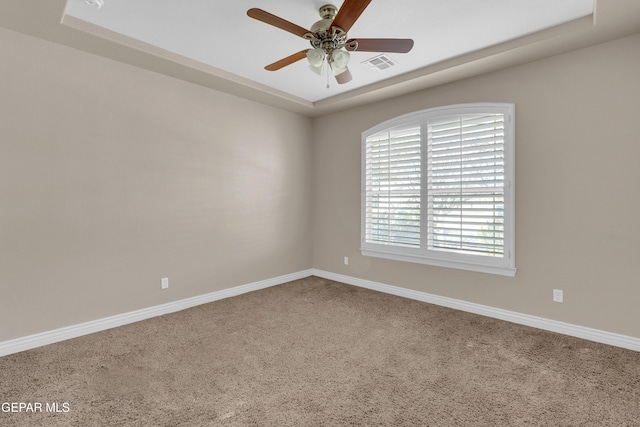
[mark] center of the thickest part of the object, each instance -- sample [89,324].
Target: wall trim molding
[74,331]
[590,334]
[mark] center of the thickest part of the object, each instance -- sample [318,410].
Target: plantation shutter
[466,184]
[392,188]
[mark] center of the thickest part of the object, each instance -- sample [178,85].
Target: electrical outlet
[164,282]
[346,260]
[558,295]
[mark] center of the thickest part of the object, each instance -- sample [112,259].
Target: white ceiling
[218,35]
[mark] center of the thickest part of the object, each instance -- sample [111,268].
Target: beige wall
[577,189]
[112,177]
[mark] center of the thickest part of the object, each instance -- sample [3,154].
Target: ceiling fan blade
[287,61]
[382,45]
[276,21]
[349,13]
[344,77]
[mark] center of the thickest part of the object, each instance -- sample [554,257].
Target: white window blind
[392,162]
[438,188]
[466,184]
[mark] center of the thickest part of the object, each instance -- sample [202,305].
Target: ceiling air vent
[380,62]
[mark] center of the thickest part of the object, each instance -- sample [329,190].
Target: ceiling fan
[328,38]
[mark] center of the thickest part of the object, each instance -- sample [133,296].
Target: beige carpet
[319,353]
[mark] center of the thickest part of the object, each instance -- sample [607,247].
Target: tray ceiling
[220,38]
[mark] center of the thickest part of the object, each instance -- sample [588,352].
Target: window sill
[469,266]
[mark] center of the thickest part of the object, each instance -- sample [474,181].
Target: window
[438,188]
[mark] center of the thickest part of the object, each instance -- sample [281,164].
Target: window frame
[504,265]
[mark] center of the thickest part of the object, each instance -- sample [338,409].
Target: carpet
[315,352]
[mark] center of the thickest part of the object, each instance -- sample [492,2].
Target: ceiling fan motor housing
[321,26]
[323,35]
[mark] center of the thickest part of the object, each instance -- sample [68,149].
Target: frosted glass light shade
[316,60]
[339,61]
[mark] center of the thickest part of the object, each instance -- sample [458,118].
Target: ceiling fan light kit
[328,39]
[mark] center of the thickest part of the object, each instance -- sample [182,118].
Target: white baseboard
[590,334]
[74,331]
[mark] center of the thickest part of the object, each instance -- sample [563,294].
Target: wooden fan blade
[344,77]
[383,45]
[276,21]
[349,13]
[287,61]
